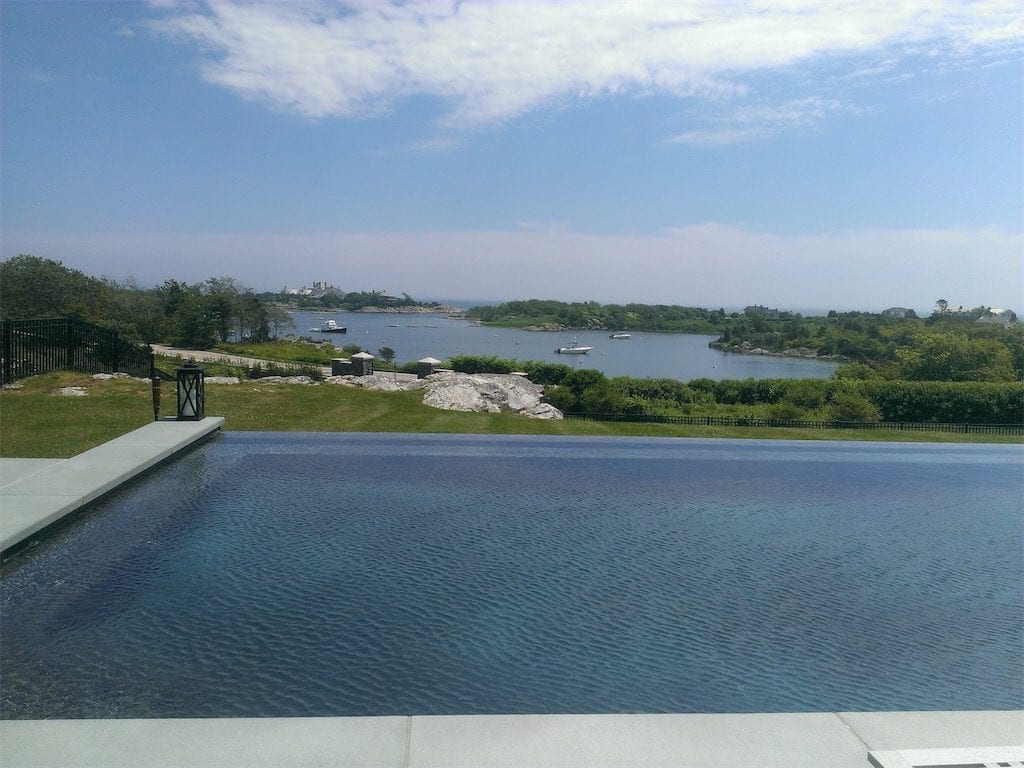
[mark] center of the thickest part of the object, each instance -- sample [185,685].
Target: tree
[386,354]
[192,325]
[953,357]
[254,322]
[223,300]
[279,318]
[34,287]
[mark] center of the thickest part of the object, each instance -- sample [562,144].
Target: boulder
[487,393]
[382,382]
[478,392]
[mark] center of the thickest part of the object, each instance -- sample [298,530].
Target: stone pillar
[362,364]
[426,366]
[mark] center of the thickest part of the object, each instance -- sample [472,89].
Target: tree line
[592,315]
[350,301]
[893,349]
[937,348]
[195,315]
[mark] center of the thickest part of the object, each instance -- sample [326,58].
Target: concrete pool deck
[810,740]
[34,493]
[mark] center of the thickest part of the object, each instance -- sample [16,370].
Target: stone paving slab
[937,730]
[13,470]
[810,740]
[38,492]
[296,742]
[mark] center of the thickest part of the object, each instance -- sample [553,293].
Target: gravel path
[200,355]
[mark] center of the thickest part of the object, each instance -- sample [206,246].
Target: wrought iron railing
[63,343]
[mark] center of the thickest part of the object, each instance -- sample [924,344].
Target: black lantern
[191,393]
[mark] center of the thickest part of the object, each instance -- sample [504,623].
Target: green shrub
[787,410]
[851,406]
[545,373]
[976,402]
[481,364]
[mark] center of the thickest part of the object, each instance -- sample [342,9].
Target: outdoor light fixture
[191,393]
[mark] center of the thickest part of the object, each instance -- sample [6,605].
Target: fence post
[68,362]
[7,350]
[154,378]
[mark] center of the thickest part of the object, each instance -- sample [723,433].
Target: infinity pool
[349,574]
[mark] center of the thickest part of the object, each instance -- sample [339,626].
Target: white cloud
[494,60]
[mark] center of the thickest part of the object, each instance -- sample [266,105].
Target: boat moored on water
[329,326]
[621,335]
[573,349]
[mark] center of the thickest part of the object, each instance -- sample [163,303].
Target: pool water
[348,574]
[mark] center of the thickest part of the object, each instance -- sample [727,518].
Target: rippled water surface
[267,574]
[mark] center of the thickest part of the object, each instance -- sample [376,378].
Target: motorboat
[329,326]
[573,349]
[621,335]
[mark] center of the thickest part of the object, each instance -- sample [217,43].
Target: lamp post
[155,379]
[191,393]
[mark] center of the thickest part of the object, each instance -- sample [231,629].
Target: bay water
[680,356]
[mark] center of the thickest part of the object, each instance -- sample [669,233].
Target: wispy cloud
[493,61]
[756,122]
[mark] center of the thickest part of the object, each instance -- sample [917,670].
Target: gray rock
[479,392]
[382,382]
[487,393]
[286,380]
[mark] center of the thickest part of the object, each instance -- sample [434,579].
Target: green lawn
[35,421]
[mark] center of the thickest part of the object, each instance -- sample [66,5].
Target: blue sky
[796,154]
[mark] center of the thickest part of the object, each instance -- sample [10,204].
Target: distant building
[899,313]
[942,309]
[757,309]
[993,316]
[320,288]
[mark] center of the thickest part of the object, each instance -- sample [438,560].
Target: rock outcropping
[478,392]
[488,393]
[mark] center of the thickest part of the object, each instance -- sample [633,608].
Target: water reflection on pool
[285,574]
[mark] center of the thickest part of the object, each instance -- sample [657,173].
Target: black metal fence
[63,343]
[733,421]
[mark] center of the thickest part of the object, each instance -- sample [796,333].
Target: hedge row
[924,401]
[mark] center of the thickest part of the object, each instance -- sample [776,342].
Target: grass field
[36,421]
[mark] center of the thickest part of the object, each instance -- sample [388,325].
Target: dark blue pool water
[270,574]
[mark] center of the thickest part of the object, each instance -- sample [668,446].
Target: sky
[804,155]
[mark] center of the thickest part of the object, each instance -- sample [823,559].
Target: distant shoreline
[440,310]
[804,353]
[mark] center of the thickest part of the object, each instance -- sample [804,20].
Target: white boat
[573,349]
[621,335]
[329,326]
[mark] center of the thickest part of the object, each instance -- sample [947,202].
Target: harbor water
[680,356]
